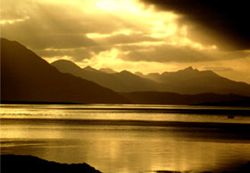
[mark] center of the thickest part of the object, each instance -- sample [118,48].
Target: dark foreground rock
[31,164]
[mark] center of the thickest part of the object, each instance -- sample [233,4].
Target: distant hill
[124,81]
[107,70]
[185,99]
[193,81]
[186,81]
[25,77]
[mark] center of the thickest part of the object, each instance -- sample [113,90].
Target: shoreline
[229,125]
[31,164]
[10,163]
[209,104]
[142,108]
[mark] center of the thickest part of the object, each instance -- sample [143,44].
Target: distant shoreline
[218,125]
[77,103]
[209,110]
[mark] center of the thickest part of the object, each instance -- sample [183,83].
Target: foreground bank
[31,164]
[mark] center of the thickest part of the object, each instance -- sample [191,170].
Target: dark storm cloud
[227,19]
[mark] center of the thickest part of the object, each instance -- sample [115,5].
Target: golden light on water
[121,36]
[117,148]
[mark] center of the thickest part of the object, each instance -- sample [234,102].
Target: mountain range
[186,81]
[27,78]
[123,81]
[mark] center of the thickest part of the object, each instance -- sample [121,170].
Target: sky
[136,35]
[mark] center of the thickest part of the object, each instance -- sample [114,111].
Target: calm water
[128,138]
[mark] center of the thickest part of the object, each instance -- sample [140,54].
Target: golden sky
[119,34]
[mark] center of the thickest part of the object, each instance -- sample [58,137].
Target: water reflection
[128,112]
[122,148]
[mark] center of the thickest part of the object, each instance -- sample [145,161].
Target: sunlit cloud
[111,59]
[12,21]
[118,6]
[118,34]
[106,19]
[97,36]
[75,54]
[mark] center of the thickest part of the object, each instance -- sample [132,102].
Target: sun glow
[106,59]
[112,59]
[117,34]
[130,6]
[126,32]
[135,17]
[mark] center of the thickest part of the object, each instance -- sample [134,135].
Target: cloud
[122,39]
[13,21]
[166,53]
[77,54]
[235,69]
[127,34]
[54,26]
[228,20]
[47,29]
[112,59]
[218,68]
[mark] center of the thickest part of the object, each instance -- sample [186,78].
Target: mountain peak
[125,72]
[190,68]
[29,78]
[107,70]
[139,74]
[89,68]
[64,61]
[67,65]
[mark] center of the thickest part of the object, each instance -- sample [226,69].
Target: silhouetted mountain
[69,66]
[107,70]
[31,164]
[124,81]
[193,81]
[186,81]
[184,99]
[27,77]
